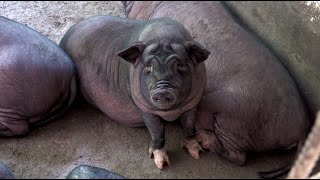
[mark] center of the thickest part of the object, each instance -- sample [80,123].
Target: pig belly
[116,105]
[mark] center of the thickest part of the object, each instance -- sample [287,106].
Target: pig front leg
[157,131]
[188,122]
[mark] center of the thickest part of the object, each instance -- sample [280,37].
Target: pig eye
[181,67]
[149,68]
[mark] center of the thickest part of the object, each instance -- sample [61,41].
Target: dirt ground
[84,136]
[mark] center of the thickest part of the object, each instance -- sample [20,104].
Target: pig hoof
[160,157]
[193,147]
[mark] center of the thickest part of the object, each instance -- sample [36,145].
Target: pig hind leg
[61,105]
[222,147]
[12,126]
[275,173]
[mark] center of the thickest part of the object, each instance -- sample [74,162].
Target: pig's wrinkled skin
[140,73]
[250,101]
[37,79]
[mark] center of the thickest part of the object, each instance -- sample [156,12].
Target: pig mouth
[163,95]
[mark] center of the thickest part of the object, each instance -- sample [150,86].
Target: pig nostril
[163,99]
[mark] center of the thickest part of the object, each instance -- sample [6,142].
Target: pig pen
[85,136]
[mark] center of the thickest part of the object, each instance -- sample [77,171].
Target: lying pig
[161,77]
[37,79]
[250,102]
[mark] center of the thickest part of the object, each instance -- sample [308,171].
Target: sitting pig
[250,102]
[161,77]
[37,79]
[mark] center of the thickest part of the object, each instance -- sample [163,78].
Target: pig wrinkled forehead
[165,48]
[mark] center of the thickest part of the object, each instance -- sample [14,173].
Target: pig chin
[163,98]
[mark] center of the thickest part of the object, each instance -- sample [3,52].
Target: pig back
[104,80]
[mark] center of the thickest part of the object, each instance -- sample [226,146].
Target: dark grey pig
[37,79]
[250,102]
[5,173]
[162,76]
[91,172]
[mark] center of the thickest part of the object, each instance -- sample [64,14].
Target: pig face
[166,78]
[166,69]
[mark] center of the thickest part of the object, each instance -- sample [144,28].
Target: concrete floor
[84,136]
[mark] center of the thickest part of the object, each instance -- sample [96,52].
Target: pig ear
[195,49]
[131,53]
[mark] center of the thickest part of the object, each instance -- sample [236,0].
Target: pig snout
[163,95]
